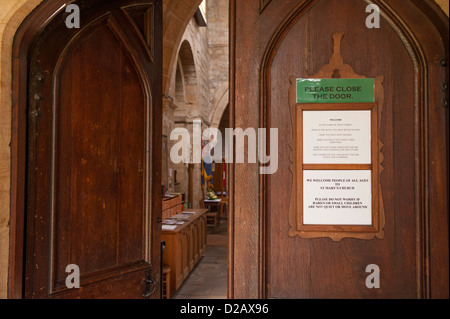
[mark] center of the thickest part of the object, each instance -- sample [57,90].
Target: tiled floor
[208,280]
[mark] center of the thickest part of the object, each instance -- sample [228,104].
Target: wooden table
[213,215]
[185,245]
[209,203]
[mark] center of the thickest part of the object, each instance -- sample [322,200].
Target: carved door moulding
[336,69]
[263,5]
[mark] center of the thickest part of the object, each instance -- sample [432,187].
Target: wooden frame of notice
[373,167]
[336,232]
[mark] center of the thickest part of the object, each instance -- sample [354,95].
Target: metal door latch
[150,284]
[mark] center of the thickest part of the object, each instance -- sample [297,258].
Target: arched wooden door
[93,181]
[275,256]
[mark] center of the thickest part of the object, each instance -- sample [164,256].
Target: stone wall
[444,5]
[198,83]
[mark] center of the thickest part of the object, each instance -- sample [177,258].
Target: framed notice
[336,158]
[337,169]
[337,197]
[337,137]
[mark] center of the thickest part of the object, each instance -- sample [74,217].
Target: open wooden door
[93,180]
[405,245]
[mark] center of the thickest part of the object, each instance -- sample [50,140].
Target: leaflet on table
[169,227]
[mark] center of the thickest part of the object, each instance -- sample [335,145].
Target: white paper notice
[337,137]
[337,197]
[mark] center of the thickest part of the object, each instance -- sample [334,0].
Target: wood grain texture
[185,246]
[91,168]
[246,176]
[294,39]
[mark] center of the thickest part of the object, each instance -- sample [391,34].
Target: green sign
[335,90]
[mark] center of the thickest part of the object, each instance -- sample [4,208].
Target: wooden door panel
[295,39]
[95,144]
[90,194]
[338,269]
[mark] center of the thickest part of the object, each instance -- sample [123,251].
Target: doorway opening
[196,194]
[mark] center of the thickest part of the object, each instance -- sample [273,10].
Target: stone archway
[177,15]
[183,107]
[189,75]
[222,99]
[12,14]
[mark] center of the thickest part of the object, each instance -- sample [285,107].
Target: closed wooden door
[277,42]
[94,135]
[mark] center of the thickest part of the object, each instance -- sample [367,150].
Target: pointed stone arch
[221,100]
[176,17]
[186,62]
